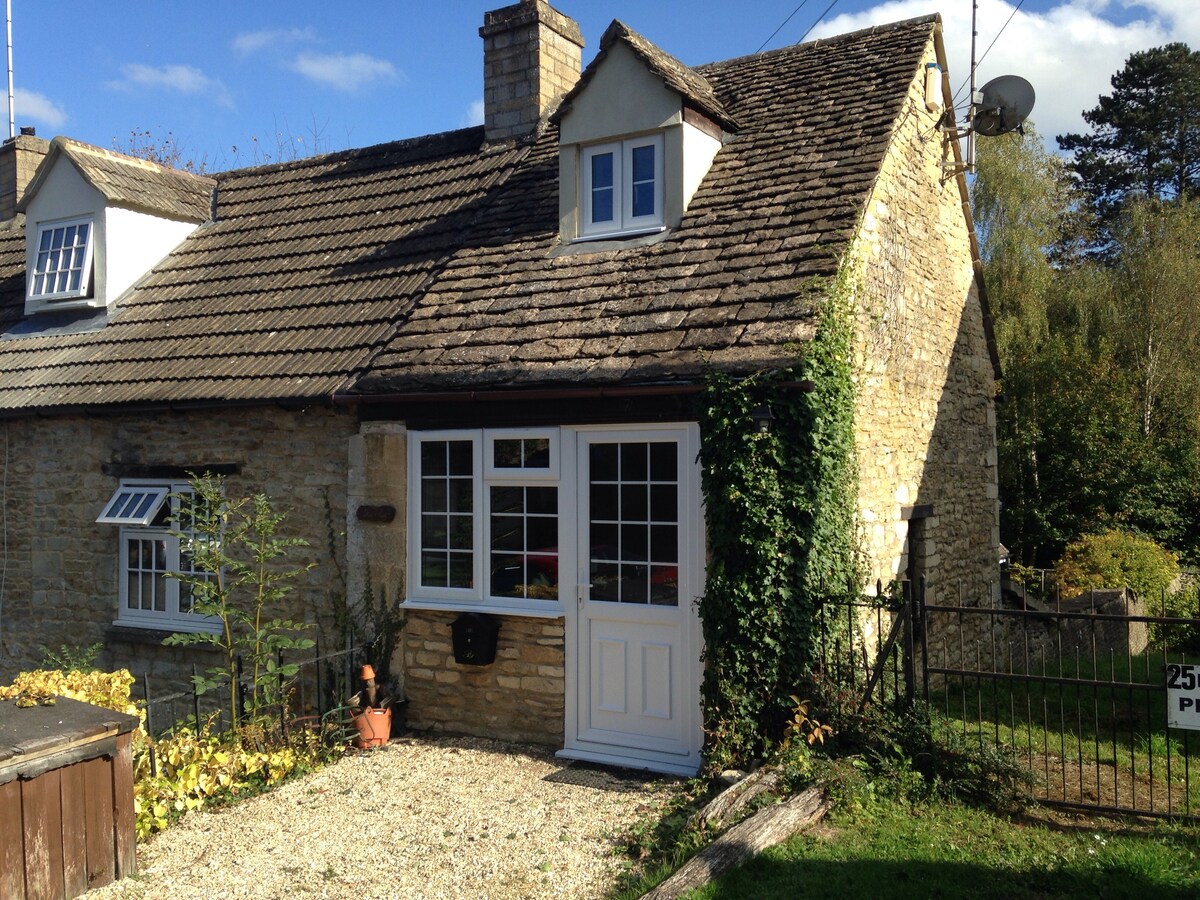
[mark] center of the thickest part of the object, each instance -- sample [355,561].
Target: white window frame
[172,618]
[486,475]
[85,278]
[624,222]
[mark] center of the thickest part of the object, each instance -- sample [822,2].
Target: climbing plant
[781,513]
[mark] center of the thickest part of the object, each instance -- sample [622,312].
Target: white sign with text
[1183,696]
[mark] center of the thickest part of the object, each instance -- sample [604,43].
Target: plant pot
[374,727]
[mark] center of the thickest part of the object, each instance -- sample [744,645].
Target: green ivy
[781,529]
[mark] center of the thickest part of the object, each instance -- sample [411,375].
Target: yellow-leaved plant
[191,766]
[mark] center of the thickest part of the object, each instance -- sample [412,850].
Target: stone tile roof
[133,183]
[435,263]
[685,81]
[735,286]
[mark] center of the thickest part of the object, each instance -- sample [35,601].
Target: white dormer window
[622,187]
[63,265]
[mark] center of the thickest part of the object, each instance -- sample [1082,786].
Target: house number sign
[1183,696]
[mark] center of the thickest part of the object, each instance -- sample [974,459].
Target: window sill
[620,234]
[546,610]
[153,635]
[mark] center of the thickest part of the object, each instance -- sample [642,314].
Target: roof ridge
[454,138]
[71,145]
[882,28]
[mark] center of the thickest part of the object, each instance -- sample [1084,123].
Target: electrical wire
[1016,9]
[818,22]
[780,28]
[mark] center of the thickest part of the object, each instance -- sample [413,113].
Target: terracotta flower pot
[374,727]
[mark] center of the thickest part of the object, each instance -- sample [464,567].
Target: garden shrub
[107,689]
[1116,559]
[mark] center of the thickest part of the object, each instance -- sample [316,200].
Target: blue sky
[238,83]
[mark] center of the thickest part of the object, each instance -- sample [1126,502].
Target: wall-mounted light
[762,419]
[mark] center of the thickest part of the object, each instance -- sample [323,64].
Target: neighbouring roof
[435,263]
[131,183]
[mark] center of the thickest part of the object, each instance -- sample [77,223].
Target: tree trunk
[764,829]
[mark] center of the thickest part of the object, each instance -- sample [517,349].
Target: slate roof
[133,183]
[435,263]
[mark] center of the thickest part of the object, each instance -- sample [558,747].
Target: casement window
[62,267]
[621,187]
[153,544]
[484,519]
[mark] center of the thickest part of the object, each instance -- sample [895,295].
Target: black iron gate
[1077,690]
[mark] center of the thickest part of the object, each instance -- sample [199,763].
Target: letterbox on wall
[474,638]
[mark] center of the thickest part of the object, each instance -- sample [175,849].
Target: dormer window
[63,266]
[622,187]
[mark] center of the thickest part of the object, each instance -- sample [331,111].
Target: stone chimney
[19,159]
[531,58]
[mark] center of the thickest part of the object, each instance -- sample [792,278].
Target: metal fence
[322,683]
[1078,690]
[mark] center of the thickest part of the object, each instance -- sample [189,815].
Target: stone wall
[926,420]
[58,568]
[519,697]
[19,158]
[531,58]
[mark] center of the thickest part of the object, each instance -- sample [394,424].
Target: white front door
[636,634]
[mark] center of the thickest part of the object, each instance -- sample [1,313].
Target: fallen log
[728,804]
[766,828]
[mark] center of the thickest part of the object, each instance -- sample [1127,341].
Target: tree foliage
[1145,138]
[237,575]
[1101,414]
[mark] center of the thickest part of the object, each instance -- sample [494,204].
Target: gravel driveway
[420,818]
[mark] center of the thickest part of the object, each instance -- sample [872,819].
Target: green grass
[1086,730]
[880,848]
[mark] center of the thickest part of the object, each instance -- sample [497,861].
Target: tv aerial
[999,107]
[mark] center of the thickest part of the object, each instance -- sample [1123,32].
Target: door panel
[637,696]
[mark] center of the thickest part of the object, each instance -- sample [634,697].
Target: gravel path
[420,818]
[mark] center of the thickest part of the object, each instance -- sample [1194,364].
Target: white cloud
[473,115]
[1068,52]
[344,71]
[32,105]
[178,78]
[250,41]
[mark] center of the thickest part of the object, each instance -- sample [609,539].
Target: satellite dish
[1006,102]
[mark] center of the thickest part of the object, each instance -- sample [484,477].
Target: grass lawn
[879,848]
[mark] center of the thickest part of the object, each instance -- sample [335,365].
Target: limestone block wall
[58,568]
[926,420]
[519,697]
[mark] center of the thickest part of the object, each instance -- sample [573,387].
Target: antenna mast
[12,119]
[971,110]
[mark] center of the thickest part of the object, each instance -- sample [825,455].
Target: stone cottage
[469,364]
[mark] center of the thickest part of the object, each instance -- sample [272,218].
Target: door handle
[580,589]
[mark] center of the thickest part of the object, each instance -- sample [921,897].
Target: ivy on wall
[781,530]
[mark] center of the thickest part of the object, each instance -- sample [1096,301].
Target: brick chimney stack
[19,159]
[531,58]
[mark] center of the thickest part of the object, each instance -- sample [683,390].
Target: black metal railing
[1077,690]
[320,685]
[1078,693]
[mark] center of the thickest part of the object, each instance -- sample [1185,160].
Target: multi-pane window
[622,186]
[63,264]
[154,547]
[633,522]
[488,516]
[447,514]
